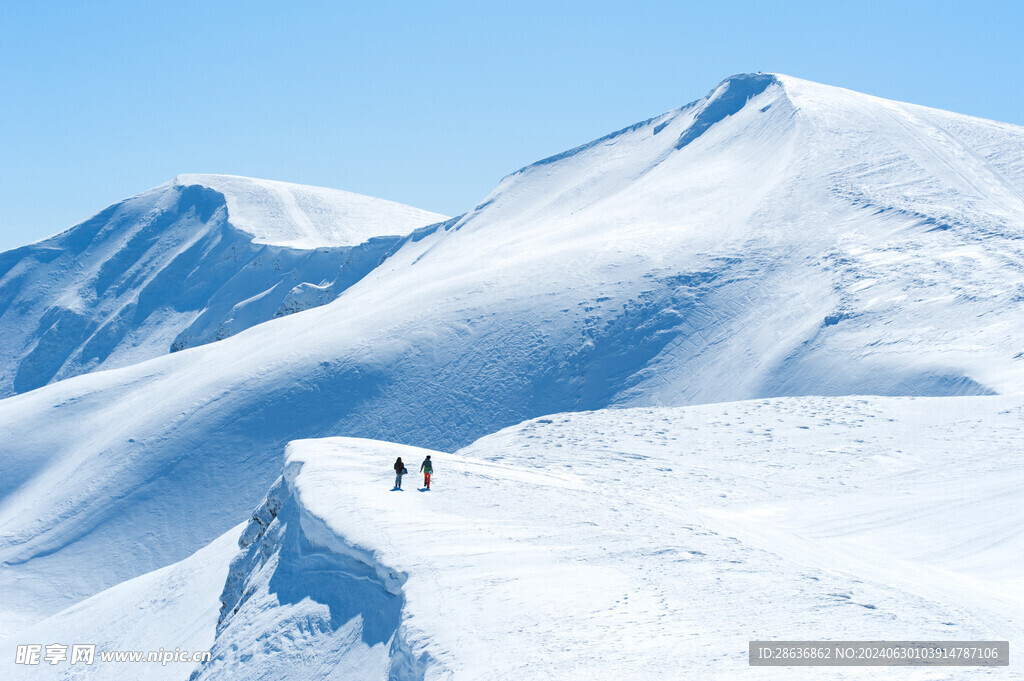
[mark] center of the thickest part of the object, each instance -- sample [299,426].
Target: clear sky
[427,103]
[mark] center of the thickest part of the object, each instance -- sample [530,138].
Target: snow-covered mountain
[776,238]
[192,261]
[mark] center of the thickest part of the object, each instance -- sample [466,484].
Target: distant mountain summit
[775,238]
[303,217]
[189,262]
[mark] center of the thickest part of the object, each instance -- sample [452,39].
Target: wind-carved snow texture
[173,268]
[813,242]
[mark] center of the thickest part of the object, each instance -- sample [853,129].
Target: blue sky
[427,103]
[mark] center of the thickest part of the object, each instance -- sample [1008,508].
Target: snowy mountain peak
[301,216]
[731,95]
[194,260]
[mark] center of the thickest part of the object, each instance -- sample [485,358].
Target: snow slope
[186,263]
[843,518]
[776,238]
[626,544]
[174,607]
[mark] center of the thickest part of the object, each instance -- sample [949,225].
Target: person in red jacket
[426,468]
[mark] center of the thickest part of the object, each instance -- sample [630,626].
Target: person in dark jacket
[399,472]
[426,468]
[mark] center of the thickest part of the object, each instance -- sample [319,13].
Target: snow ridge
[300,600]
[577,545]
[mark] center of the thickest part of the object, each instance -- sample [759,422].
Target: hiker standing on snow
[426,468]
[399,472]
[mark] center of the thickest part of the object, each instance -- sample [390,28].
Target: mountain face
[187,263]
[776,238]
